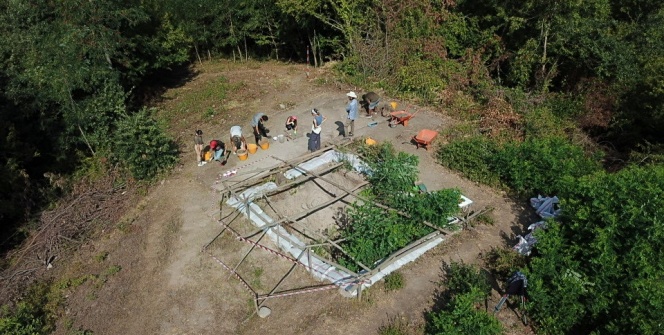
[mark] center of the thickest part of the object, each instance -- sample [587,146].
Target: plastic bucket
[264,144]
[370,141]
[281,138]
[252,148]
[242,154]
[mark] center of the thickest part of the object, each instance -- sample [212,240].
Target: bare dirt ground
[167,285]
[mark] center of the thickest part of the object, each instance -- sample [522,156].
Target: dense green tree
[600,268]
[65,70]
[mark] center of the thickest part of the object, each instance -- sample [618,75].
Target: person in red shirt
[217,147]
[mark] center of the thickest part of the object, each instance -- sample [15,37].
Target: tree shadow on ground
[525,216]
[153,86]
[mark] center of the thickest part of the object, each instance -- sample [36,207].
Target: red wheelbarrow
[424,138]
[400,117]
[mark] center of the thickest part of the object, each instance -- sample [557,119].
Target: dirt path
[168,286]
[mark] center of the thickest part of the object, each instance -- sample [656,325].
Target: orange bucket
[264,144]
[242,154]
[252,148]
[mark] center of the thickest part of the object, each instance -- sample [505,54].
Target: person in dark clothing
[371,100]
[314,137]
[291,124]
[258,125]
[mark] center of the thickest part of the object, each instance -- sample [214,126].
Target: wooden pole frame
[232,188]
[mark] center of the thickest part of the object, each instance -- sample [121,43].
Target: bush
[143,146]
[599,269]
[466,287]
[394,281]
[375,233]
[461,316]
[32,315]
[502,262]
[393,173]
[472,157]
[461,278]
[540,165]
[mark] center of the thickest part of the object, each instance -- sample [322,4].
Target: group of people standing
[217,148]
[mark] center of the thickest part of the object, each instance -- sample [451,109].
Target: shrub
[502,262]
[34,314]
[143,146]
[466,287]
[461,278]
[394,281]
[461,316]
[599,269]
[374,233]
[392,173]
[472,157]
[540,165]
[542,122]
[434,207]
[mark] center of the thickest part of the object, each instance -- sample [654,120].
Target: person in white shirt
[237,139]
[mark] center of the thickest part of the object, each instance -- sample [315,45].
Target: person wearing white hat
[353,108]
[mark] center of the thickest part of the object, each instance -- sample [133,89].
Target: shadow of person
[340,128]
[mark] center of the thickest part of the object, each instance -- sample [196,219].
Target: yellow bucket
[252,148]
[370,141]
[394,105]
[264,144]
[242,154]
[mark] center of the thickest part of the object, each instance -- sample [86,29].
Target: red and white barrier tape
[244,283]
[282,255]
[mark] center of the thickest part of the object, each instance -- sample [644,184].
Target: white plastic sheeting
[286,242]
[326,158]
[546,207]
[296,248]
[526,243]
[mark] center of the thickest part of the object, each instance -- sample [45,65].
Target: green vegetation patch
[465,288]
[375,232]
[536,165]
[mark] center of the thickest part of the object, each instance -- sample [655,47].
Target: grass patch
[398,326]
[101,257]
[394,281]
[256,274]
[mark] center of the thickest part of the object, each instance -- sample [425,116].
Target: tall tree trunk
[320,53]
[545,33]
[312,43]
[197,55]
[246,53]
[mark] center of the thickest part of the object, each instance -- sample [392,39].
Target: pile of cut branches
[90,206]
